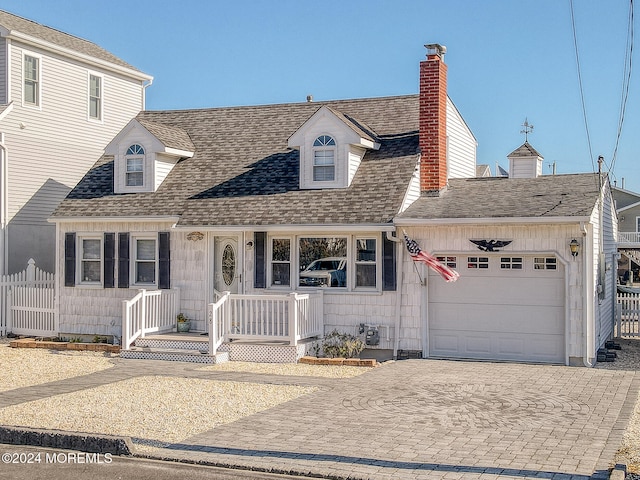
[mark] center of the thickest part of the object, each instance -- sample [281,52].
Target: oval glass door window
[228,265]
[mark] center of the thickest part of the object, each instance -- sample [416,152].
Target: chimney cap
[435,49]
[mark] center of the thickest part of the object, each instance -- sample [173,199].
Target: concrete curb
[89,443]
[619,472]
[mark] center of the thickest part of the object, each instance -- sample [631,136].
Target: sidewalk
[412,419]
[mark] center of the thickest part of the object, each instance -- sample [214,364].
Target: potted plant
[183,323]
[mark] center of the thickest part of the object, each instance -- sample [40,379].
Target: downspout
[399,284]
[4,200]
[588,286]
[144,92]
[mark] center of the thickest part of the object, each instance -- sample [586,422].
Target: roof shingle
[243,173]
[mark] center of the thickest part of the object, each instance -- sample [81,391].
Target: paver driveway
[437,419]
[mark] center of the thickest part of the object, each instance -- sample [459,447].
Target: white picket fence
[27,302]
[628,315]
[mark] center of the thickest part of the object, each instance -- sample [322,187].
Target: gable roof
[30,31]
[243,173]
[524,150]
[572,195]
[169,136]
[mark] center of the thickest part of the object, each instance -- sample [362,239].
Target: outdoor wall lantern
[574,246]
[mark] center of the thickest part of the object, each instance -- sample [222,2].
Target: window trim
[271,261]
[38,91]
[80,237]
[351,248]
[377,263]
[137,156]
[133,262]
[100,117]
[327,144]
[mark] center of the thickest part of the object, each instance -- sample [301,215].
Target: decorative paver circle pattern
[472,405]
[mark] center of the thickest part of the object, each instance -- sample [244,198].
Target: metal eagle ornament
[491,245]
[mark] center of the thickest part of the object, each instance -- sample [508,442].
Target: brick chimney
[433,121]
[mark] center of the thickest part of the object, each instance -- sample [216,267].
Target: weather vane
[528,128]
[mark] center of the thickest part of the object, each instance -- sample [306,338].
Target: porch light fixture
[574,246]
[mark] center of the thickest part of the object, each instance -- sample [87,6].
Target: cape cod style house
[285,222]
[58,93]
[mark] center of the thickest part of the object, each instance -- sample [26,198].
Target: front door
[227,272]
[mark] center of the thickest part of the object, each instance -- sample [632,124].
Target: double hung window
[366,273]
[95,97]
[145,260]
[324,153]
[281,262]
[31,87]
[90,260]
[135,166]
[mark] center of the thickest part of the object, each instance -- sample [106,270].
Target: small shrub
[342,345]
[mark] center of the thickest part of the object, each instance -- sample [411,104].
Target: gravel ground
[24,367]
[139,407]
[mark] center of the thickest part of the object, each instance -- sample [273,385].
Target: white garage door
[501,308]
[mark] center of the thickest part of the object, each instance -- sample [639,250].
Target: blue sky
[508,60]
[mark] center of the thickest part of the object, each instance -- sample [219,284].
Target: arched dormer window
[135,166]
[324,155]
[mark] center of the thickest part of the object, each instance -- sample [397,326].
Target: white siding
[355,157]
[461,145]
[606,304]
[413,190]
[52,147]
[162,167]
[3,71]
[530,167]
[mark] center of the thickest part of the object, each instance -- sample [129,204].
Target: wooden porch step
[174,355]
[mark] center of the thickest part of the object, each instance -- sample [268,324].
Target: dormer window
[324,153]
[135,166]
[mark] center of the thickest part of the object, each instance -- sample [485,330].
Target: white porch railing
[148,312]
[285,318]
[629,237]
[27,302]
[628,315]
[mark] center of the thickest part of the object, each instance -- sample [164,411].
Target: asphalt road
[37,463]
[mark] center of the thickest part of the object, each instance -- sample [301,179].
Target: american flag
[418,255]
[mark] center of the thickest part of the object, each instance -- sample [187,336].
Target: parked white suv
[325,272]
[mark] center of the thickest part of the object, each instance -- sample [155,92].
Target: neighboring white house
[62,99]
[252,200]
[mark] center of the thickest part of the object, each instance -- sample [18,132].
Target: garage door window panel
[511,263]
[478,262]
[545,263]
[451,262]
